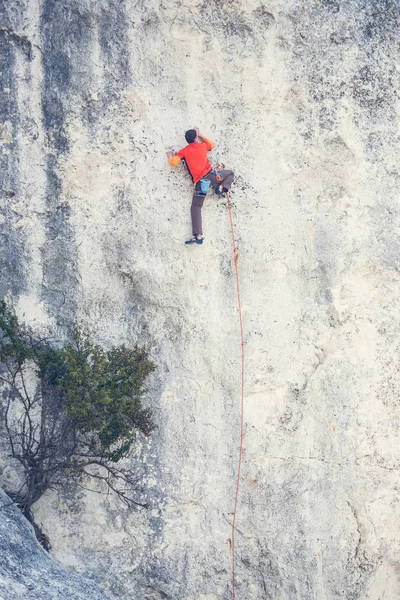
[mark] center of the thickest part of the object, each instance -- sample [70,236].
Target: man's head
[190,136]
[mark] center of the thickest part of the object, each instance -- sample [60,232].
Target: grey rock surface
[27,572]
[301,99]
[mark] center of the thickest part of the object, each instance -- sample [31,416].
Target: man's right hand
[197,130]
[170,153]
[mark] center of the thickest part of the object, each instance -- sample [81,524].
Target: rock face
[301,99]
[27,572]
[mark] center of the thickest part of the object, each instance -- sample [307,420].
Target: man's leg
[212,177]
[227,178]
[195,211]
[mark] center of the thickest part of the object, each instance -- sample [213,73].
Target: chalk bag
[205,185]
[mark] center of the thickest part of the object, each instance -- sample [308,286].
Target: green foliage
[101,390]
[85,411]
[15,345]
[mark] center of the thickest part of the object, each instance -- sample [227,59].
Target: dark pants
[197,201]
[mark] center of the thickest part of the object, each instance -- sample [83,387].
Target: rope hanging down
[235,260]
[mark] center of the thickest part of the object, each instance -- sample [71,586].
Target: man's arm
[173,159]
[210,144]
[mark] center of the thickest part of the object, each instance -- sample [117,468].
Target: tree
[71,413]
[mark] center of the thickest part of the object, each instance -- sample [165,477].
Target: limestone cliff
[27,571]
[301,99]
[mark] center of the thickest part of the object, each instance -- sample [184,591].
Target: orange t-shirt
[195,155]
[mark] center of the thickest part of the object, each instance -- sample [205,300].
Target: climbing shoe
[220,193]
[192,240]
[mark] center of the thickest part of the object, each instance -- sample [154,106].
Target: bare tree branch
[54,432]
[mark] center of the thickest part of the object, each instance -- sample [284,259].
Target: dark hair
[190,136]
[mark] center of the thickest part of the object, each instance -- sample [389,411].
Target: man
[203,175]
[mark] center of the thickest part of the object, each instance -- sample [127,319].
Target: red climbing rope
[235,260]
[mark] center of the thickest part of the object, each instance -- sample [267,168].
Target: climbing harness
[218,174]
[236,265]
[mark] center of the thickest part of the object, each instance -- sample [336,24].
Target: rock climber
[203,175]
